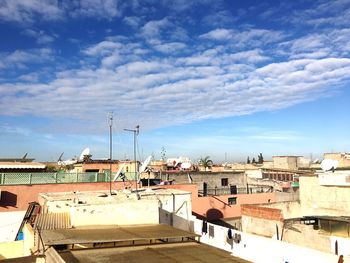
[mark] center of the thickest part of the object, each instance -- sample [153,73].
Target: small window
[232,200]
[92,170]
[224,181]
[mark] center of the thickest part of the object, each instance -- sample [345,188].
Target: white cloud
[172,47]
[250,37]
[103,9]
[28,11]
[132,21]
[25,11]
[21,58]
[40,36]
[172,90]
[218,34]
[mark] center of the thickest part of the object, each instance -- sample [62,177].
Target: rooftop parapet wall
[17,197]
[262,212]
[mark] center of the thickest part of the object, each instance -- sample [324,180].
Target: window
[224,181]
[232,200]
[92,170]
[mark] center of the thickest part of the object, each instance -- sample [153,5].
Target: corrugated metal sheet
[52,221]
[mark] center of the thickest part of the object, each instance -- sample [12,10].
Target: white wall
[10,222]
[127,213]
[260,249]
[254,173]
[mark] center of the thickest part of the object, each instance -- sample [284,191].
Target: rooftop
[178,252]
[106,234]
[104,197]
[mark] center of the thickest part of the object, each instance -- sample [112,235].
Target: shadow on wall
[8,199]
[168,218]
[214,214]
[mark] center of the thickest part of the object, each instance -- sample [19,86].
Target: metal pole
[135,161]
[110,151]
[136,132]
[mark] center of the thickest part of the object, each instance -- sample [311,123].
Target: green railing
[57,178]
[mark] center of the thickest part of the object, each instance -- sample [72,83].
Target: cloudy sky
[226,79]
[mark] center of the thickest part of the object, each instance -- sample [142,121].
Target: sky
[225,79]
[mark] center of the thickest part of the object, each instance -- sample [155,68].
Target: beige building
[102,166]
[342,158]
[325,194]
[288,162]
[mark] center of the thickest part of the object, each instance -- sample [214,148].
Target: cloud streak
[164,74]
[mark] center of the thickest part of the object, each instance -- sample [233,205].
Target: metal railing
[240,190]
[58,178]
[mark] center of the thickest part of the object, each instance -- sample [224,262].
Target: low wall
[127,213]
[259,249]
[216,207]
[17,197]
[12,249]
[262,212]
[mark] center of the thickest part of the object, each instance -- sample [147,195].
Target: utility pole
[110,123]
[136,132]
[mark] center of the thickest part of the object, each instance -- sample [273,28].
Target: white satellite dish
[329,164]
[119,172]
[86,151]
[145,164]
[186,165]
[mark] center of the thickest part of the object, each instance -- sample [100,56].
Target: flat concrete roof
[106,234]
[104,197]
[167,253]
[29,259]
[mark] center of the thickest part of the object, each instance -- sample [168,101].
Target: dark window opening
[232,200]
[224,181]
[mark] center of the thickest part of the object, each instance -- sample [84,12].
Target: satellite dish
[145,164]
[186,165]
[86,151]
[329,164]
[119,172]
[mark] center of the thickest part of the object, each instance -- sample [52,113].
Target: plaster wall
[212,179]
[17,197]
[215,207]
[127,213]
[261,226]
[261,249]
[254,174]
[285,162]
[289,209]
[304,235]
[10,223]
[12,249]
[323,200]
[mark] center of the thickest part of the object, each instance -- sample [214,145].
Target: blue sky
[201,77]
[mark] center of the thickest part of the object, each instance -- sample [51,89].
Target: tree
[163,154]
[248,160]
[260,158]
[87,158]
[253,161]
[205,162]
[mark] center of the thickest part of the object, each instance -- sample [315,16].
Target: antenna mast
[136,132]
[110,123]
